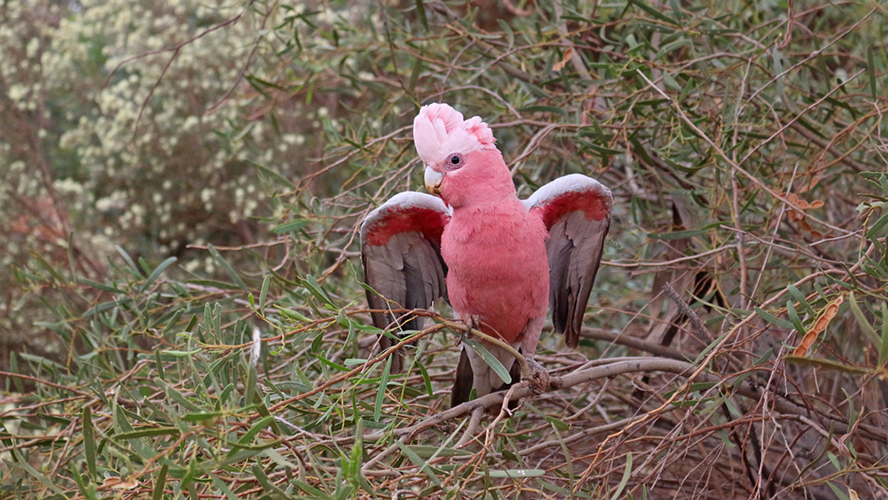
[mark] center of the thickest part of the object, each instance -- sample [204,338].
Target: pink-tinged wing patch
[577,212]
[401,254]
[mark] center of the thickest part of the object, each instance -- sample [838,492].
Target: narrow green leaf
[877,226]
[156,273]
[227,267]
[290,227]
[13,365]
[220,484]
[133,268]
[657,14]
[490,359]
[266,483]
[380,392]
[158,363]
[517,473]
[86,487]
[335,366]
[291,314]
[543,109]
[250,385]
[35,473]
[883,348]
[99,286]
[419,462]
[157,431]
[274,175]
[800,298]
[426,379]
[840,495]
[248,436]
[864,324]
[420,11]
[263,294]
[89,443]
[770,318]
[626,473]
[826,364]
[794,317]
[311,284]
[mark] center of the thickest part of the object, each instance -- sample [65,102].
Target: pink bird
[505,260]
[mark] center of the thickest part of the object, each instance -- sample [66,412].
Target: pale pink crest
[439,130]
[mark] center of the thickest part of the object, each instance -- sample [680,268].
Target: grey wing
[577,212]
[400,252]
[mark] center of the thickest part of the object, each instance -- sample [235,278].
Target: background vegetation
[182,182]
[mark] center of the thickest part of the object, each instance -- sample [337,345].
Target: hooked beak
[433,181]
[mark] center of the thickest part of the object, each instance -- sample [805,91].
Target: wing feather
[577,212]
[401,255]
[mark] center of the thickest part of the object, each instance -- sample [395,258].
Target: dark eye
[455,160]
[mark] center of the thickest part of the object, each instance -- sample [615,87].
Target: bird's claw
[474,322]
[536,375]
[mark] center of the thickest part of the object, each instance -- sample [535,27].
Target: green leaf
[626,473]
[420,11]
[543,109]
[865,325]
[883,348]
[794,317]
[826,364]
[99,286]
[89,443]
[653,12]
[770,318]
[517,473]
[156,273]
[679,235]
[266,483]
[426,379]
[841,495]
[419,462]
[490,359]
[290,227]
[157,431]
[380,392]
[800,298]
[263,294]
[291,314]
[227,267]
[274,175]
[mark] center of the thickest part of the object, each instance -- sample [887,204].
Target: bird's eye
[455,160]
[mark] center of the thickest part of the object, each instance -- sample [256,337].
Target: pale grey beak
[433,180]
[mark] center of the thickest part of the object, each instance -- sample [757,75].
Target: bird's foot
[474,322]
[535,375]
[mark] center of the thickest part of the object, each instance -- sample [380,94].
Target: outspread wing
[577,212]
[401,254]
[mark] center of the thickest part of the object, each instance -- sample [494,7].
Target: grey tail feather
[462,386]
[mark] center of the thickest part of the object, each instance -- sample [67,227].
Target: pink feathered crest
[439,130]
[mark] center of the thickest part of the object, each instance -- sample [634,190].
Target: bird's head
[451,148]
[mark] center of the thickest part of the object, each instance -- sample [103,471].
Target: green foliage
[180,177]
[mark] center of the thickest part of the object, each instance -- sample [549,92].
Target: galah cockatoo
[505,260]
